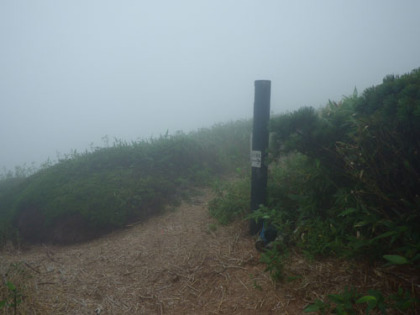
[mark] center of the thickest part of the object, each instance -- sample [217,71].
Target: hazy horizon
[75,71]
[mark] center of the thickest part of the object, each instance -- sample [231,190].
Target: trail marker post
[259,149]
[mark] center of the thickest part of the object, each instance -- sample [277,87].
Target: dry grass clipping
[177,263]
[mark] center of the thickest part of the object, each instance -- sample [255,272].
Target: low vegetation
[344,181]
[91,193]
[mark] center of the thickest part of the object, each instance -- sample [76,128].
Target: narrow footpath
[181,262]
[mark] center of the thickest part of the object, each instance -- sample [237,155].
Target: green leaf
[336,298]
[360,224]
[366,299]
[396,259]
[10,286]
[312,308]
[384,235]
[347,212]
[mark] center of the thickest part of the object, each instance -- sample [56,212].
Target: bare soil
[181,262]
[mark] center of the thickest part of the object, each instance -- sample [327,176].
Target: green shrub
[105,189]
[232,200]
[13,287]
[358,169]
[350,301]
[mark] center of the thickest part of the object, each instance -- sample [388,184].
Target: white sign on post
[256,159]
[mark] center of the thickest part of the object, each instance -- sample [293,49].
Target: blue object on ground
[268,233]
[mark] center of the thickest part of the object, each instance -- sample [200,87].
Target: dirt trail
[181,262]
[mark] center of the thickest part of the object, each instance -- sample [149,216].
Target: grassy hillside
[343,182]
[88,194]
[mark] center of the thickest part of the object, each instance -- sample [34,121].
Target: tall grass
[91,193]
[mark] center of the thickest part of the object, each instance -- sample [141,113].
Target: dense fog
[73,73]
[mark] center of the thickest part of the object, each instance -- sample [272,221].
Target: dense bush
[358,163]
[344,179]
[87,194]
[232,200]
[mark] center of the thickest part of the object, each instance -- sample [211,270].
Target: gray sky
[73,71]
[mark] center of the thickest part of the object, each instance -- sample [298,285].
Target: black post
[259,149]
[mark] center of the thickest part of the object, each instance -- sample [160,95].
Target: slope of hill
[343,187]
[89,194]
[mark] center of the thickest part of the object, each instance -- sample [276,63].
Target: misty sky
[73,71]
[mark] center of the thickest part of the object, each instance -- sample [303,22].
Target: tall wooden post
[259,149]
